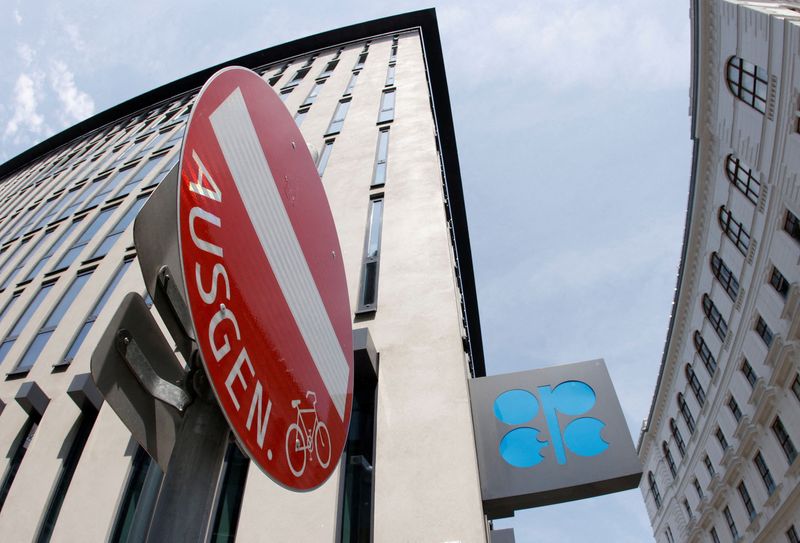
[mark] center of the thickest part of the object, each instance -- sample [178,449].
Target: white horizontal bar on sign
[242,150]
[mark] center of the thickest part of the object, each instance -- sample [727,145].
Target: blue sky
[573,136]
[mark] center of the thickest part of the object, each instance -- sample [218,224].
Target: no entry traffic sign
[265,280]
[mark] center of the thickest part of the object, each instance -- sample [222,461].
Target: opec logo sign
[550,435]
[522,447]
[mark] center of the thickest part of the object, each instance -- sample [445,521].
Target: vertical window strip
[763,471]
[784,440]
[733,405]
[324,156]
[119,228]
[676,435]
[709,466]
[686,413]
[24,260]
[94,314]
[386,113]
[23,319]
[13,254]
[42,262]
[381,158]
[390,71]
[747,501]
[313,93]
[69,257]
[715,317]
[368,291]
[339,115]
[651,481]
[65,474]
[23,443]
[39,341]
[668,457]
[749,374]
[229,503]
[139,176]
[697,488]
[139,500]
[714,536]
[351,84]
[721,439]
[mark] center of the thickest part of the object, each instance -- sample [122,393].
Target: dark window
[779,282]
[94,313]
[714,317]
[791,535]
[668,533]
[731,524]
[748,83]
[734,407]
[229,504]
[18,449]
[676,435]
[686,413]
[298,76]
[763,331]
[106,184]
[97,223]
[741,176]
[709,466]
[386,113]
[324,157]
[688,508]
[763,471]
[275,78]
[746,500]
[329,67]
[119,228]
[785,441]
[714,536]
[723,442]
[749,374]
[339,115]
[368,293]
[669,459]
[66,471]
[724,276]
[795,386]
[285,93]
[39,342]
[651,480]
[23,319]
[734,230]
[694,383]
[362,59]
[792,225]
[139,499]
[697,488]
[381,157]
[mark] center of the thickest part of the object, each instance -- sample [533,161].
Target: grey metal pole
[184,505]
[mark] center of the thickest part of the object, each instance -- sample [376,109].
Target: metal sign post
[240,256]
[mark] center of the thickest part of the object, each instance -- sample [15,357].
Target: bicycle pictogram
[305,436]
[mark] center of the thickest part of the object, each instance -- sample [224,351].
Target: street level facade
[372,102]
[719,448]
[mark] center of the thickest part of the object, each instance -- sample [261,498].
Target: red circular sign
[265,280]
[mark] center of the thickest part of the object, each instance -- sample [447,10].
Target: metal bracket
[156,386]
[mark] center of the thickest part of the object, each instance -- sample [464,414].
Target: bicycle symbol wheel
[322,444]
[296,450]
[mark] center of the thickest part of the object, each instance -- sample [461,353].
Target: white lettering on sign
[224,322]
[245,158]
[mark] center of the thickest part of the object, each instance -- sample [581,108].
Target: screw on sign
[264,280]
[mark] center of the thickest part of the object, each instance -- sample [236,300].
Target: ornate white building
[719,448]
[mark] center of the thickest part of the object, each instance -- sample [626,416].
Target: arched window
[669,459]
[748,82]
[741,176]
[651,480]
[685,412]
[714,317]
[676,435]
[734,230]
[702,349]
[694,383]
[724,276]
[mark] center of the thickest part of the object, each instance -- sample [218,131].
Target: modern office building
[372,100]
[719,448]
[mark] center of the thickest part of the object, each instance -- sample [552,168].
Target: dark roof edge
[695,11]
[425,20]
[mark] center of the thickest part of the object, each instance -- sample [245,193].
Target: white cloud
[17,17]
[27,93]
[77,105]
[26,53]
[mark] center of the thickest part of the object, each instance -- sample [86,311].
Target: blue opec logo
[522,448]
